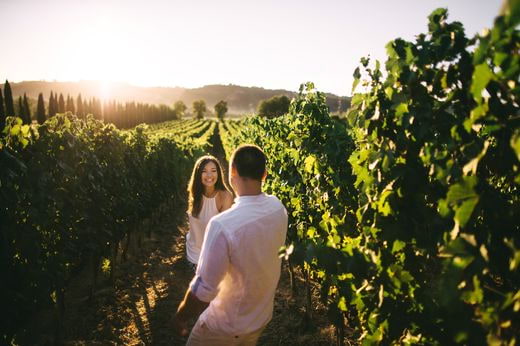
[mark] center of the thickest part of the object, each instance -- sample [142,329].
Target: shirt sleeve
[213,263]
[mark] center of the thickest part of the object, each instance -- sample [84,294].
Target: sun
[108,59]
[105,89]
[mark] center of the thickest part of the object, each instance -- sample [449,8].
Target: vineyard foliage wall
[70,191]
[408,215]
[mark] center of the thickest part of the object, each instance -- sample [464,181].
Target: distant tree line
[123,115]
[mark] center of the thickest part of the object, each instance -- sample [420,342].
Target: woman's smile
[209,174]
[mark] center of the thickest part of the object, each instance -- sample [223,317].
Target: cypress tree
[40,110]
[26,110]
[70,105]
[79,104]
[61,104]
[55,103]
[2,112]
[9,103]
[90,108]
[96,108]
[20,110]
[49,114]
[86,108]
[106,113]
[51,105]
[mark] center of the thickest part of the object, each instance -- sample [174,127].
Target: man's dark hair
[249,160]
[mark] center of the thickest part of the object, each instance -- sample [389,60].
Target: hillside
[240,99]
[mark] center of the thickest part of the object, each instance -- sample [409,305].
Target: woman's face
[209,174]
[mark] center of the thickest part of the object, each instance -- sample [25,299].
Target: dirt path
[148,289]
[138,309]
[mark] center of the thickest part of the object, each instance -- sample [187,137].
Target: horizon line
[160,86]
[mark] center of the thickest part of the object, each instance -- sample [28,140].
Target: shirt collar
[249,198]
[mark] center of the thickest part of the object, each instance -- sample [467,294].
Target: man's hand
[180,326]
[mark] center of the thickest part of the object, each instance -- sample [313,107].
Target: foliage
[221,109]
[21,111]
[70,190]
[307,154]
[439,203]
[8,99]
[179,108]
[2,111]
[199,109]
[274,106]
[415,238]
[61,104]
[53,106]
[26,110]
[40,110]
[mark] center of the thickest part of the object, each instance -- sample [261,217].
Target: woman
[208,196]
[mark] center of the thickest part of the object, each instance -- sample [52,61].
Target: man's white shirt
[239,266]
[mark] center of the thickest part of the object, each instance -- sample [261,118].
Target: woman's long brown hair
[195,186]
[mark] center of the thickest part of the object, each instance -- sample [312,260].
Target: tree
[53,105]
[26,110]
[199,109]
[70,105]
[9,103]
[273,107]
[80,110]
[2,112]
[86,107]
[40,110]
[221,109]
[20,111]
[179,108]
[61,104]
[97,108]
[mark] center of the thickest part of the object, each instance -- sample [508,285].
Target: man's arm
[213,264]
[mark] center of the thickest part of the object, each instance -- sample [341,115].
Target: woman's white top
[195,236]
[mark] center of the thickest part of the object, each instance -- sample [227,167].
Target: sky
[275,44]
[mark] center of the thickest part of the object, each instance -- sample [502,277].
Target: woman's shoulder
[225,194]
[225,199]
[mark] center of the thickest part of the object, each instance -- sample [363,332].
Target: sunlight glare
[105,88]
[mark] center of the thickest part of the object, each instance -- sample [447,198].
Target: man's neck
[249,193]
[249,188]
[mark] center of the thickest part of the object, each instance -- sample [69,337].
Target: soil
[138,308]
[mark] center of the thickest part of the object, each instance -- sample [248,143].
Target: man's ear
[233,170]
[264,175]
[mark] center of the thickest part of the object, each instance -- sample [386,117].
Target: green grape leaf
[481,77]
[309,163]
[464,211]
[398,245]
[515,143]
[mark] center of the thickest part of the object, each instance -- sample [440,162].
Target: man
[239,267]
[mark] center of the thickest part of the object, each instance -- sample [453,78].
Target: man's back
[249,235]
